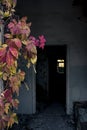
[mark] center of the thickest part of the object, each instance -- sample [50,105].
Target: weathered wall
[57,20]
[27,95]
[27,100]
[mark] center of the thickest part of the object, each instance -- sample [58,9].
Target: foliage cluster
[17,42]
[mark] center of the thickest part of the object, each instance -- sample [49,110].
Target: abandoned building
[62,65]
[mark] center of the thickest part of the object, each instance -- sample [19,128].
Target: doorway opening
[51,75]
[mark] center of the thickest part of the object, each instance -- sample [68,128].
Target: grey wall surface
[26,97]
[58,21]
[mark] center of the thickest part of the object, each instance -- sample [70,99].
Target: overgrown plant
[17,42]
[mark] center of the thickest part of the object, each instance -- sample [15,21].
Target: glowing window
[60,65]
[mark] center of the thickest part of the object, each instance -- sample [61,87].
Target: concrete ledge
[80,115]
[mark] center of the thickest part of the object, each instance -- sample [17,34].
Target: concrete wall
[26,97]
[78,72]
[57,20]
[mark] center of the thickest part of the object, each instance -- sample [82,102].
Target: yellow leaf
[5,75]
[33,50]
[1,73]
[16,64]
[24,42]
[7,106]
[13,10]
[6,14]
[28,65]
[12,120]
[15,103]
[2,65]
[34,60]
[4,45]
[13,70]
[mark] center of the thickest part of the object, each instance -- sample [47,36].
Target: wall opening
[51,75]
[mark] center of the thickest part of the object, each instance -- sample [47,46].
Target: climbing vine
[17,43]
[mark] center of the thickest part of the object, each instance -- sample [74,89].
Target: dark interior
[57,81]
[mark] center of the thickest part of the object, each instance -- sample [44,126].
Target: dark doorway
[57,73]
[51,74]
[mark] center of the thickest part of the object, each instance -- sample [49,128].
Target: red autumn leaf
[2,54]
[14,43]
[8,55]
[1,106]
[10,59]
[15,89]
[15,103]
[17,42]
[8,95]
[2,124]
[10,25]
[15,84]
[3,121]
[14,52]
